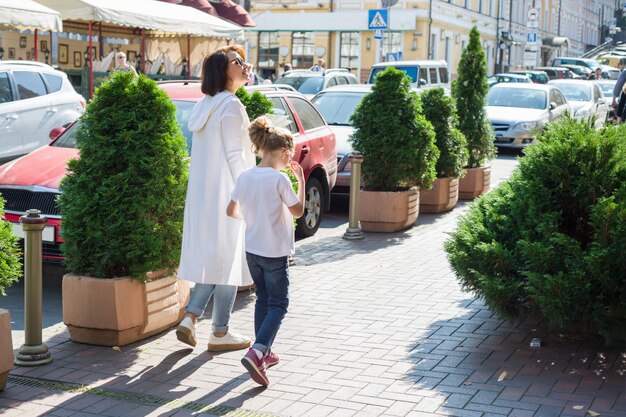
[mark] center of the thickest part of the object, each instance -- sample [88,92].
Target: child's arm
[297,210]
[233,210]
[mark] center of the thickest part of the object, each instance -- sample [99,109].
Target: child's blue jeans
[271,277]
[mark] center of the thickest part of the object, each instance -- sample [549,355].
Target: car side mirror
[552,105]
[422,82]
[56,132]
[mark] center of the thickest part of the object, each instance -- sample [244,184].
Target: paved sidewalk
[377,327]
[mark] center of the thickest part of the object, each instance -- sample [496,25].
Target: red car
[32,181]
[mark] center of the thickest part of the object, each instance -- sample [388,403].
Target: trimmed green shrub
[123,200]
[470,92]
[551,239]
[10,254]
[440,110]
[256,104]
[396,140]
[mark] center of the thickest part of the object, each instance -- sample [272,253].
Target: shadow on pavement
[477,362]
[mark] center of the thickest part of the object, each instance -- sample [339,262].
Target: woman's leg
[221,339]
[200,296]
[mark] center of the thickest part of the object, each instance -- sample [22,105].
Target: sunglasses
[239,61]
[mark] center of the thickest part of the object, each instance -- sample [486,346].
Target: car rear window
[305,85]
[54,82]
[29,84]
[337,108]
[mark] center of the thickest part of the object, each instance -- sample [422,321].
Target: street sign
[533,14]
[531,38]
[389,3]
[530,57]
[378,34]
[377,19]
[532,24]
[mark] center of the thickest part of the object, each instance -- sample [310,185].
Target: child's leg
[276,279]
[260,307]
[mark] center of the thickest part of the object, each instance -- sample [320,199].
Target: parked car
[560,61]
[610,73]
[424,74]
[34,98]
[518,111]
[32,181]
[538,77]
[579,71]
[556,72]
[310,83]
[586,98]
[508,78]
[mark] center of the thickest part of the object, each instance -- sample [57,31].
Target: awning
[26,14]
[165,19]
[356,21]
[556,41]
[202,5]
[235,13]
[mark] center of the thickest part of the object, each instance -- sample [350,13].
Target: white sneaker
[186,332]
[230,341]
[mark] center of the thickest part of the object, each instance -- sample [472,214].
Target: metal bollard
[354,232]
[33,352]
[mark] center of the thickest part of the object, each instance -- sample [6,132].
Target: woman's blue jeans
[222,303]
[271,278]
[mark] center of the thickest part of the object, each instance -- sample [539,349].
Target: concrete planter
[475,182]
[442,197]
[6,348]
[386,211]
[120,311]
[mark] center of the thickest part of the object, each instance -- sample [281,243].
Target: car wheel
[310,221]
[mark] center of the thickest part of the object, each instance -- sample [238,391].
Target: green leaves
[470,91]
[123,200]
[551,239]
[10,254]
[393,135]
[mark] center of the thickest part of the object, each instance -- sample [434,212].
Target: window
[392,42]
[29,84]
[349,48]
[5,88]
[342,80]
[268,49]
[302,49]
[280,109]
[433,75]
[54,82]
[424,74]
[443,75]
[309,117]
[332,82]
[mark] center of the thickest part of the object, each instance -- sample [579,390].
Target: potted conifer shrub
[122,204]
[470,91]
[10,271]
[397,143]
[440,110]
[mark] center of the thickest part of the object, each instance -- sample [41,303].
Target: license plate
[46,236]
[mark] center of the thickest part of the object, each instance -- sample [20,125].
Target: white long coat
[213,249]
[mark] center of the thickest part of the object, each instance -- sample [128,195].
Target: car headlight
[525,126]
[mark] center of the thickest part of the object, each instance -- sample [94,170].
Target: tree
[470,91]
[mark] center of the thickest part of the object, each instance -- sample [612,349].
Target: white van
[424,74]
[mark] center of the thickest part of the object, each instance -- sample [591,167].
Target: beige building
[301,31]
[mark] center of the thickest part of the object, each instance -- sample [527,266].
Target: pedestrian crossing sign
[377,19]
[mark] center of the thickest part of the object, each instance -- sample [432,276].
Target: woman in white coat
[213,252]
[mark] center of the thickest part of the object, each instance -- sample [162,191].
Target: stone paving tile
[375,327]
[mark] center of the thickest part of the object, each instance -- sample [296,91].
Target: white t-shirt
[264,196]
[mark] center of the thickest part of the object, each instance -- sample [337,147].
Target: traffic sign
[377,19]
[532,24]
[530,57]
[533,14]
[531,37]
[378,34]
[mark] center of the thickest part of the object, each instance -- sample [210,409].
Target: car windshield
[410,71]
[575,92]
[305,85]
[68,138]
[607,89]
[337,107]
[517,97]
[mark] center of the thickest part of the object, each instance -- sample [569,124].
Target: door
[601,107]
[561,104]
[10,120]
[37,114]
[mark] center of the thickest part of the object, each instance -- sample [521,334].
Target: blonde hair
[266,137]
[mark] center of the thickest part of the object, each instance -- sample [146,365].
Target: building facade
[515,34]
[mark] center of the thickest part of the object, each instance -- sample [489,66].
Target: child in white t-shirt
[264,198]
